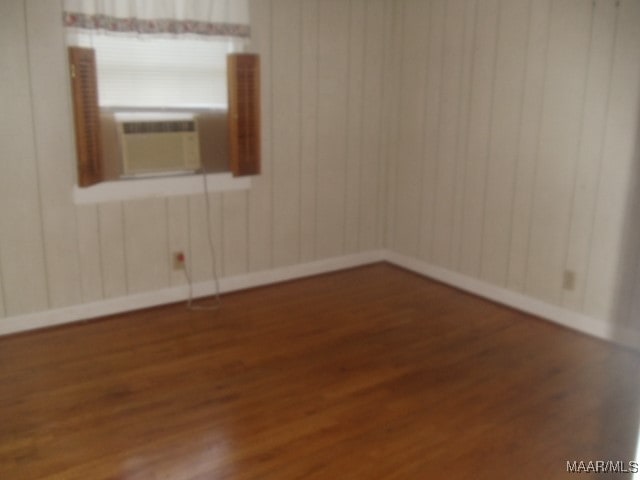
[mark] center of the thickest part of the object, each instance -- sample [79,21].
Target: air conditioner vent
[158,127]
[159,146]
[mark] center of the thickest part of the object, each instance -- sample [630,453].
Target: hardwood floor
[371,373]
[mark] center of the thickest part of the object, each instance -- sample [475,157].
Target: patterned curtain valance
[228,18]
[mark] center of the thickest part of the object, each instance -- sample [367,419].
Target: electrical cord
[217,300]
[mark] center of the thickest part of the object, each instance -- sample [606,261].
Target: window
[158,104]
[160,73]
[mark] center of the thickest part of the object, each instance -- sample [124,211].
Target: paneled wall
[494,138]
[518,148]
[318,196]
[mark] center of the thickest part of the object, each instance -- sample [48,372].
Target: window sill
[158,187]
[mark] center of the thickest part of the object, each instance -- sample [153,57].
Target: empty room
[319,239]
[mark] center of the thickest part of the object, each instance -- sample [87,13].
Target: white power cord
[218,301]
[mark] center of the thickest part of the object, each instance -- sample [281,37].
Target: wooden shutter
[86,112]
[243,73]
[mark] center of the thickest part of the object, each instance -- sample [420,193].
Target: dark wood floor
[371,373]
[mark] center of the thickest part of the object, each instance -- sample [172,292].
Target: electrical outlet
[178,260]
[569,280]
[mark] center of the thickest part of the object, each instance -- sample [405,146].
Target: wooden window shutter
[86,112]
[243,73]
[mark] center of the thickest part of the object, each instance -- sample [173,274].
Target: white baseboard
[576,321]
[86,311]
[567,318]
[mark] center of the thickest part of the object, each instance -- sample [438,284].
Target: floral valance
[228,18]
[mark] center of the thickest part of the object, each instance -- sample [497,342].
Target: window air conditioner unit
[159,146]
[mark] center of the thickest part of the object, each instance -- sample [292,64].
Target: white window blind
[151,72]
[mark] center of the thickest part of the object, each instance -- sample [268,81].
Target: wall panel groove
[235,233]
[431,139]
[400,203]
[89,248]
[270,127]
[2,294]
[316,164]
[478,137]
[371,206]
[353,142]
[564,90]
[332,126]
[260,195]
[609,289]
[361,125]
[507,97]
[146,246]
[491,121]
[528,144]
[348,116]
[48,69]
[38,177]
[285,129]
[466,78]
[589,162]
[518,156]
[383,182]
[23,263]
[389,126]
[300,113]
[573,208]
[599,169]
[308,127]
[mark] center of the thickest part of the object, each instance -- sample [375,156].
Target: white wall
[518,145]
[317,198]
[493,139]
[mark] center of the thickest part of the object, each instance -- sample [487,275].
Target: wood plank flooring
[370,373]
